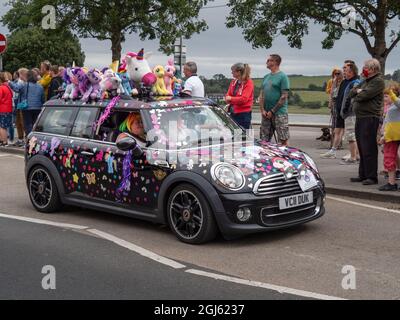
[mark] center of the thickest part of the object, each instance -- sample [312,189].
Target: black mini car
[177,161]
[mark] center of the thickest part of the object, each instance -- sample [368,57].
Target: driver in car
[133,125]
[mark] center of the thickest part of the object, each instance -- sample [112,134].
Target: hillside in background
[307,93]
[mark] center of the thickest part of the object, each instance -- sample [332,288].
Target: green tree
[112,20]
[263,20]
[28,47]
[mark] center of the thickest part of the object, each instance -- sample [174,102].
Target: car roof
[129,103]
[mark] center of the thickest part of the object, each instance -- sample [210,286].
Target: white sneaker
[329,155]
[346,157]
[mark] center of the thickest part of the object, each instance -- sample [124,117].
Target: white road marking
[144,252]
[11,155]
[273,287]
[363,205]
[45,222]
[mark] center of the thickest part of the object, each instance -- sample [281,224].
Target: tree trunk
[116,47]
[380,48]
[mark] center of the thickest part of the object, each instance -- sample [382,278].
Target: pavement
[336,176]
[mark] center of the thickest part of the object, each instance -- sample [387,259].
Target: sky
[218,48]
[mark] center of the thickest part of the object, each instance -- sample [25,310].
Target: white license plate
[295,201]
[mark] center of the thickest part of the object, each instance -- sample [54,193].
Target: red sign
[3,43]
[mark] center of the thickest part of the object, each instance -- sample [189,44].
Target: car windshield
[182,127]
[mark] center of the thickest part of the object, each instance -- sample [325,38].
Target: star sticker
[76,178]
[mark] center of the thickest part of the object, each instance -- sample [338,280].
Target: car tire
[43,190]
[190,216]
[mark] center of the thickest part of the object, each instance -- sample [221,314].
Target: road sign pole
[1,62]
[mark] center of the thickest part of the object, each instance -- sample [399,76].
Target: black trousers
[366,135]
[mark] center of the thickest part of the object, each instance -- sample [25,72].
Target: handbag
[23,105]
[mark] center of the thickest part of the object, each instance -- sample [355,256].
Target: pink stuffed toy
[169,76]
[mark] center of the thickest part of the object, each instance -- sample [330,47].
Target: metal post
[1,62]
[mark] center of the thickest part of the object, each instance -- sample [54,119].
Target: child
[391,140]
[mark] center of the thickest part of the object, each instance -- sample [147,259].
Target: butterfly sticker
[91,178]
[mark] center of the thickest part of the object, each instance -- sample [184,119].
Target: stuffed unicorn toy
[68,78]
[169,76]
[159,87]
[94,76]
[139,70]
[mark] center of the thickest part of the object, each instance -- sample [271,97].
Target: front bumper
[265,213]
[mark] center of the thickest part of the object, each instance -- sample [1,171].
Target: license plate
[295,201]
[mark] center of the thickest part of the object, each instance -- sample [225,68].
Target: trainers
[397,174]
[347,156]
[329,155]
[388,187]
[348,161]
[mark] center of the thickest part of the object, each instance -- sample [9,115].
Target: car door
[79,159]
[54,126]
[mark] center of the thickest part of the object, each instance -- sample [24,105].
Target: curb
[391,197]
[13,150]
[300,124]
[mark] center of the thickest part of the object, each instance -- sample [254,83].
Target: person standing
[55,83]
[6,96]
[17,86]
[193,85]
[347,113]
[337,78]
[34,94]
[367,106]
[240,95]
[391,141]
[45,77]
[274,102]
[339,121]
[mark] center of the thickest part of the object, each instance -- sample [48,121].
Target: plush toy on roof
[133,76]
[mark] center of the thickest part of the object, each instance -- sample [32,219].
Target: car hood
[256,159]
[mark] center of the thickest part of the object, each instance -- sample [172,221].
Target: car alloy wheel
[43,190]
[186,214]
[190,216]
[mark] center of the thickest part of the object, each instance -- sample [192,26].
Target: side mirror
[126,142]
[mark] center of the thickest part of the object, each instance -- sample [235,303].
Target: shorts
[5,120]
[279,123]
[350,125]
[339,121]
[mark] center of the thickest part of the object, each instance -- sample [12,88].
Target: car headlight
[228,176]
[310,161]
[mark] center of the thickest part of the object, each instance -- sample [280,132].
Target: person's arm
[285,87]
[247,93]
[188,87]
[371,90]
[394,99]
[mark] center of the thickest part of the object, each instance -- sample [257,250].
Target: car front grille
[273,217]
[276,185]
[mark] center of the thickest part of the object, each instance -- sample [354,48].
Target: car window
[56,120]
[84,123]
[109,129]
